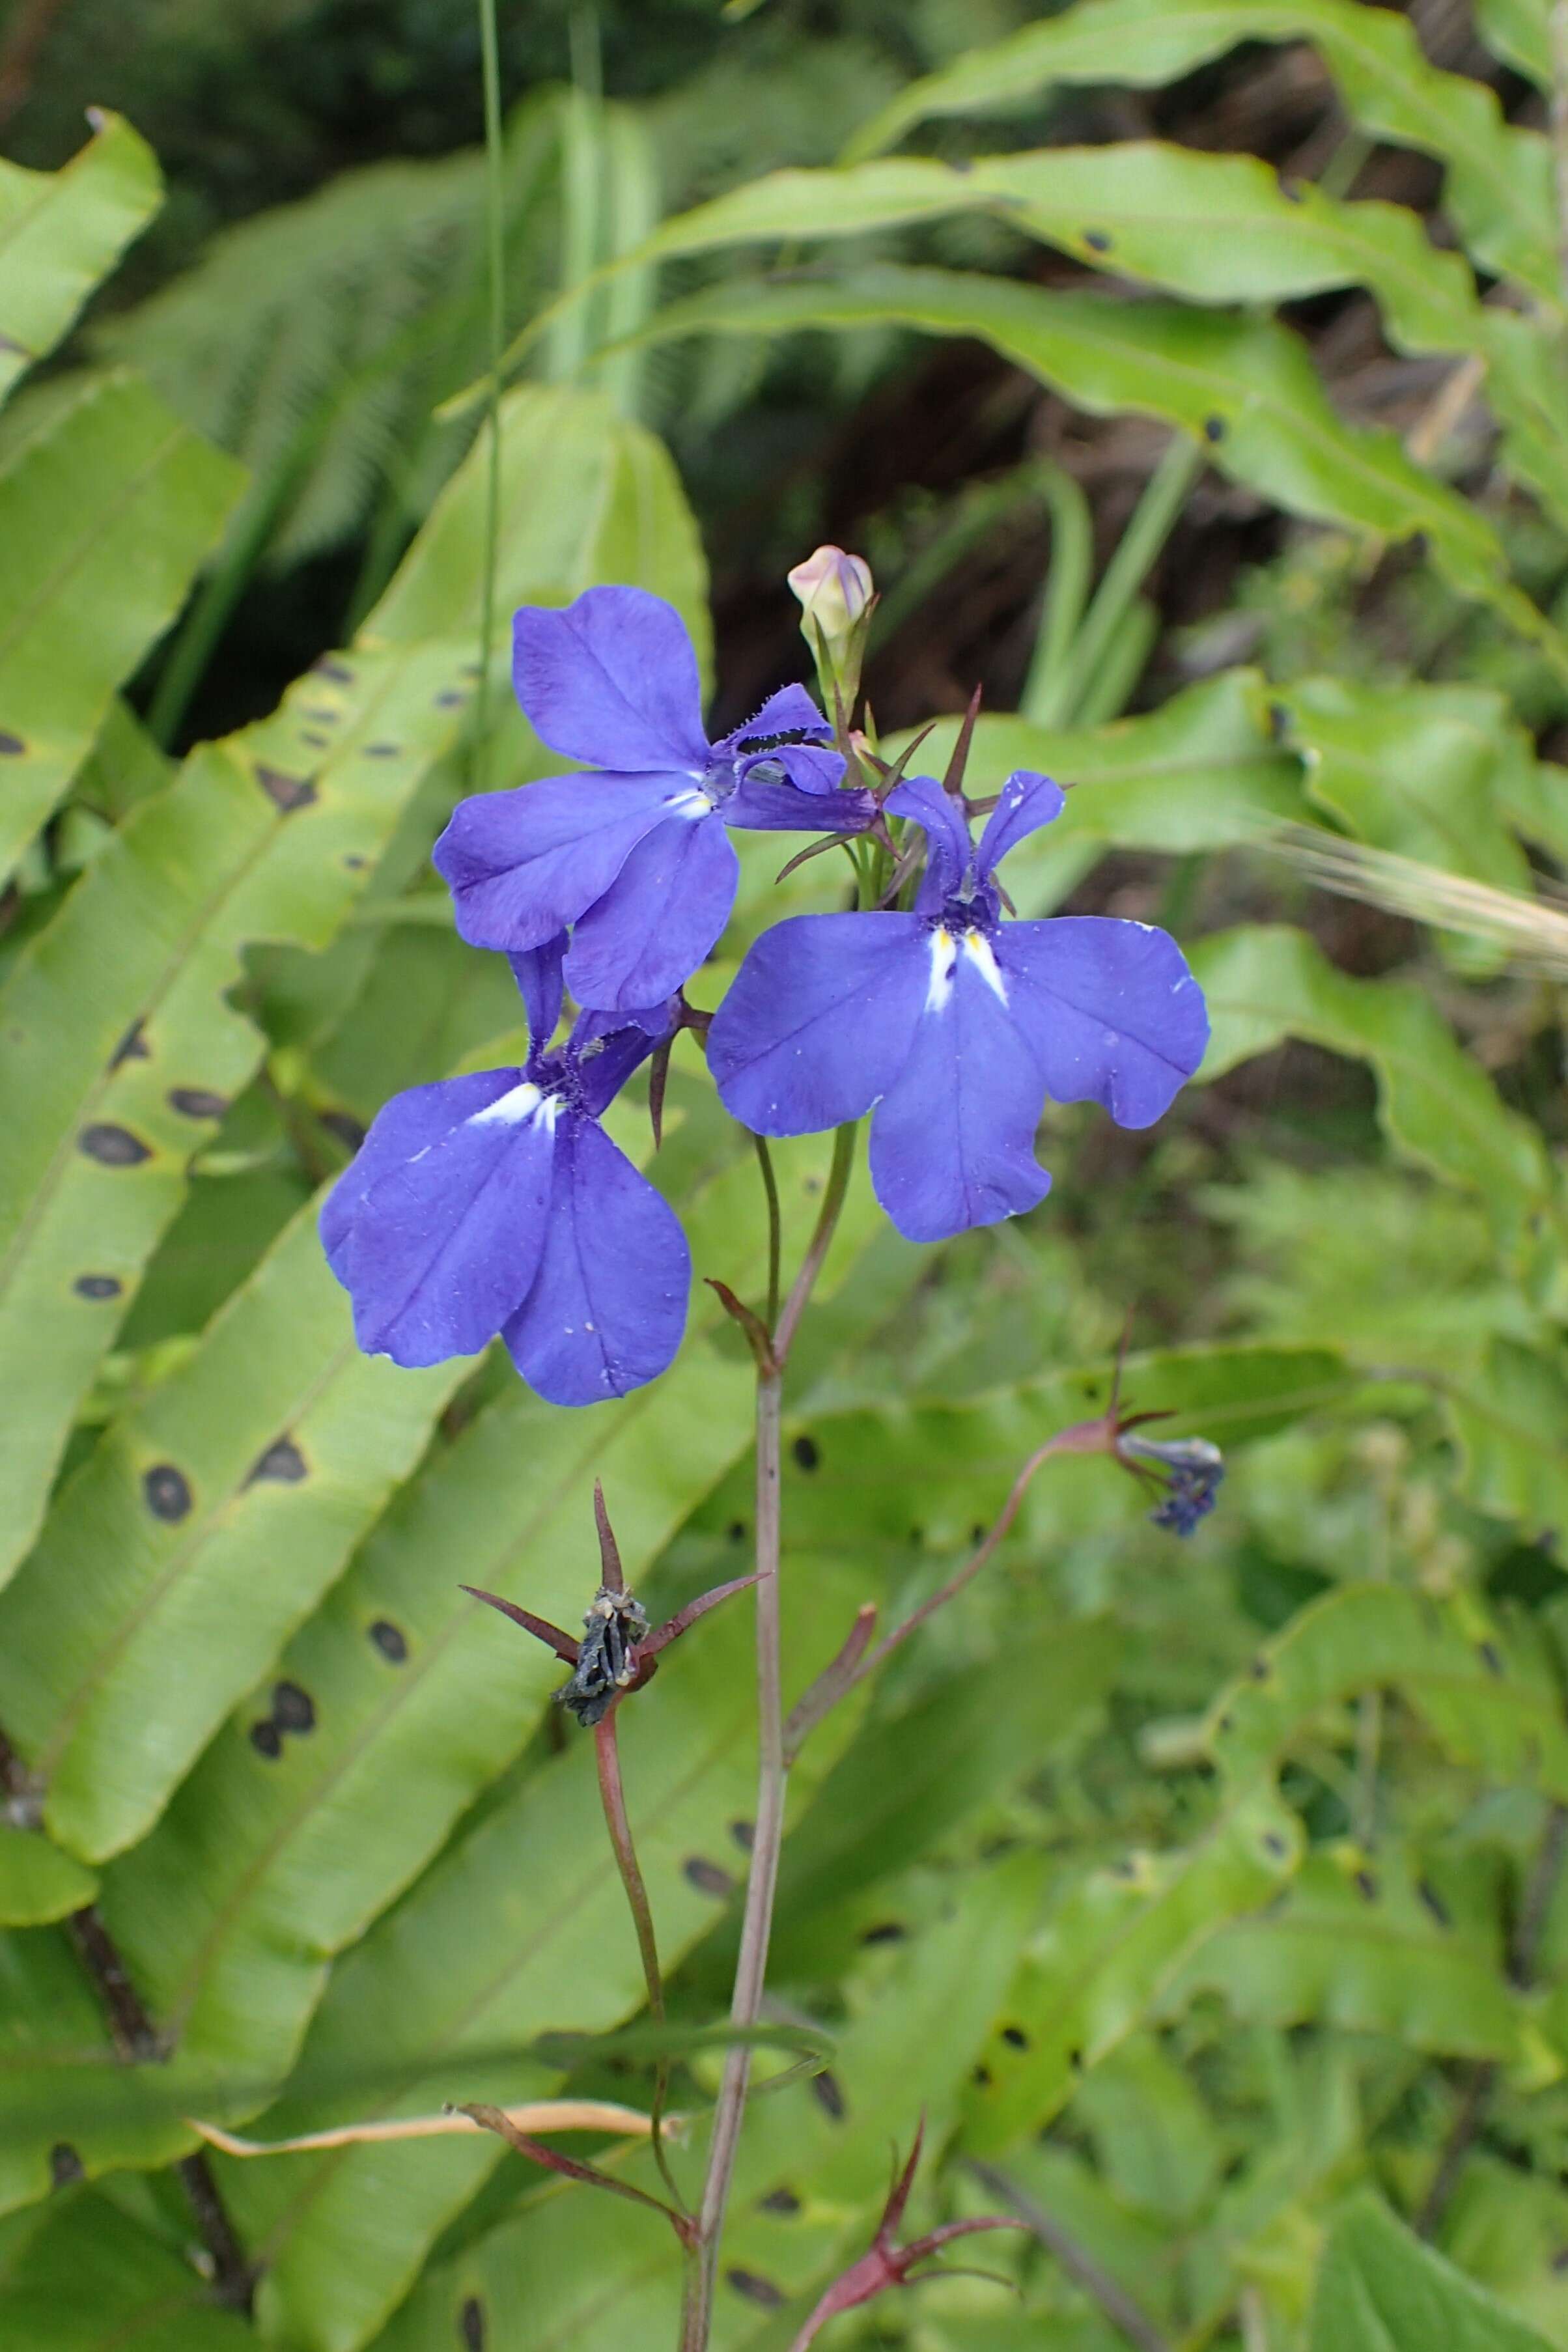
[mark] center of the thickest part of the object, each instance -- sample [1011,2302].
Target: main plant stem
[767,1835]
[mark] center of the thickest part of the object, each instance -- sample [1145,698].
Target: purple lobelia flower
[498,1204]
[955,1023]
[635,855]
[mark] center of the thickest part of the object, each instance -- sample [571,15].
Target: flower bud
[834,590]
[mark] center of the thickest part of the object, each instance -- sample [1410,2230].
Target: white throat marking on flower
[520,1103]
[977,947]
[691,805]
[943,962]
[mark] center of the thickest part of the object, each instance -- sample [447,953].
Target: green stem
[1152,520]
[1067,591]
[495,242]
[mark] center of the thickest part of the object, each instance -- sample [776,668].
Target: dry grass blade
[1532,928]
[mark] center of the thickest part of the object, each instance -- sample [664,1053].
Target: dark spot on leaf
[390,1641]
[381,751]
[1075,2060]
[168,1491]
[282,1461]
[287,793]
[1096,240]
[198,1102]
[805,1452]
[1124,1867]
[736,1531]
[65,2165]
[1433,1902]
[266,1740]
[824,2090]
[1487,1653]
[113,1147]
[1279,722]
[1259,1669]
[450,698]
[471,2324]
[1014,2037]
[982,2078]
[1560,2258]
[706,1876]
[345,1127]
[317,743]
[1224,1724]
[886,1931]
[293,1709]
[132,1047]
[961,164]
[977,1533]
[1214,429]
[917,1536]
[356,863]
[756,2289]
[743,1834]
[781,2200]
[326,667]
[321,718]
[1274,1844]
[1365,1885]
[98,1285]
[1419,545]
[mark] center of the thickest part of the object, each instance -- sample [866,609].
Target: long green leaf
[1245,387]
[60,232]
[1352,1947]
[1498,186]
[38,1882]
[1216,228]
[114,1023]
[201,1532]
[1381,2290]
[1267,983]
[114,503]
[94,2280]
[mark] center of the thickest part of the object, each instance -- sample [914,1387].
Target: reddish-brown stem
[612,1794]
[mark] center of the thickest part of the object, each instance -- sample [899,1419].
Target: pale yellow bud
[834,590]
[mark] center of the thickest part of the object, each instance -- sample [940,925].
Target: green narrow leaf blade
[62,232]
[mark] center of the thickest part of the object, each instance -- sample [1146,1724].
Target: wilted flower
[616,1652]
[635,855]
[1192,1468]
[956,1025]
[497,1204]
[834,590]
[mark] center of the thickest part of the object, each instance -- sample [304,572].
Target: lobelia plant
[495,1203]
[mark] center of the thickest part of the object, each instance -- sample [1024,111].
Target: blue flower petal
[818,1021]
[604,1049]
[1110,1008]
[759,807]
[438,1228]
[790,711]
[952,1142]
[1025,804]
[524,864]
[607,1306]
[948,849]
[651,928]
[537,971]
[611,680]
